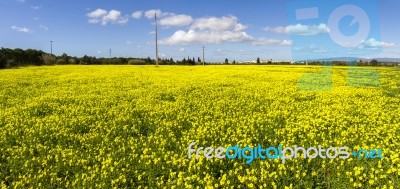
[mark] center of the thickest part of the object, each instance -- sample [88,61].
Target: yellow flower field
[130,126]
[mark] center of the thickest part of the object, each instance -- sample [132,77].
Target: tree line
[10,58]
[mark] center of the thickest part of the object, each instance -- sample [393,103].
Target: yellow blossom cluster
[130,127]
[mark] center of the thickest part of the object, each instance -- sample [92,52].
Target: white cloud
[43,27]
[374,44]
[213,30]
[216,37]
[21,29]
[300,29]
[36,18]
[166,18]
[97,13]
[266,42]
[128,42]
[218,24]
[115,17]
[20,1]
[176,20]
[181,49]
[36,7]
[104,17]
[150,13]
[210,30]
[137,14]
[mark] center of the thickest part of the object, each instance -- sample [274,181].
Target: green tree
[374,63]
[65,57]
[226,61]
[148,60]
[258,60]
[2,59]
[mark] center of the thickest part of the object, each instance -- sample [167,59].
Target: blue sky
[237,30]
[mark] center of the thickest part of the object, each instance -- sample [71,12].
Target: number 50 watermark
[341,29]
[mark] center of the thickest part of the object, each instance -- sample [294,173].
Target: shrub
[136,62]
[48,59]
[61,61]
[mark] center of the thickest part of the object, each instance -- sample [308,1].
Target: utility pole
[51,47]
[110,53]
[307,61]
[203,56]
[307,56]
[155,18]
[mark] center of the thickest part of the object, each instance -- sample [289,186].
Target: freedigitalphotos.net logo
[284,153]
[341,30]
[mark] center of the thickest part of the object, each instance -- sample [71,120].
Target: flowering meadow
[130,126]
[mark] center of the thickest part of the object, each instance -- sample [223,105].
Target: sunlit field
[130,126]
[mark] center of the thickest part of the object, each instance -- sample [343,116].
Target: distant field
[130,126]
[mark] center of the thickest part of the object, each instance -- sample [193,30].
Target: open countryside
[129,126]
